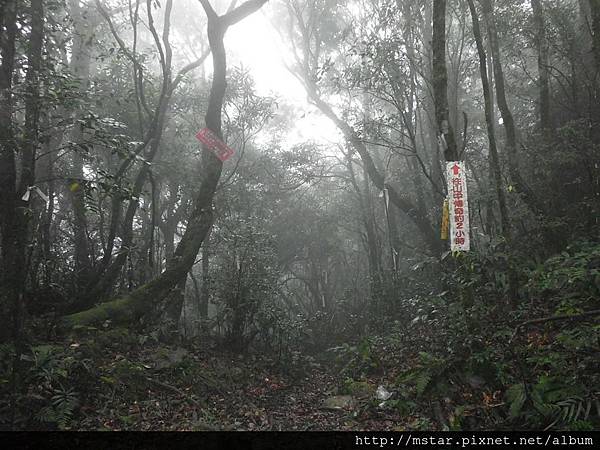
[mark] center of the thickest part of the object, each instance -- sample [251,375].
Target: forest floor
[175,389]
[127,382]
[430,373]
[115,379]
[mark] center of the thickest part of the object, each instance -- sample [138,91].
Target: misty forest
[299,215]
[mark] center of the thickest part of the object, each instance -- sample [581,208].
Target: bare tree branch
[242,11]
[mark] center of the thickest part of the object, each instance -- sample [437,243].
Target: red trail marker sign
[459,206]
[214,144]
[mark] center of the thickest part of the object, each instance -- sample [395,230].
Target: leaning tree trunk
[107,271]
[142,300]
[306,64]
[404,204]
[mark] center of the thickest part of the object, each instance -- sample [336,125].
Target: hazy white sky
[257,45]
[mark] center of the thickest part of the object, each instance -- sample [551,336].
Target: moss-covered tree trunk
[142,300]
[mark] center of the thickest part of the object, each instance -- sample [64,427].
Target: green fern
[516,397]
[572,411]
[356,360]
[428,375]
[423,381]
[60,410]
[550,401]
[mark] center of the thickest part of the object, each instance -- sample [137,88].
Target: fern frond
[569,411]
[422,381]
[516,397]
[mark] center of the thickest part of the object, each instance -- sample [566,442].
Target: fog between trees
[315,250]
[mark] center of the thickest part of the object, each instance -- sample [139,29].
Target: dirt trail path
[203,391]
[298,406]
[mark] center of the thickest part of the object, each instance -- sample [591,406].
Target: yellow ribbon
[445,220]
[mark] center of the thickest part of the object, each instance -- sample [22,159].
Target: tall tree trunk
[175,302]
[204,290]
[543,73]
[19,235]
[509,124]
[14,226]
[595,27]
[141,300]
[490,219]
[45,168]
[373,245]
[411,118]
[83,259]
[84,25]
[489,120]
[580,59]
[11,264]
[440,82]
[494,158]
[373,259]
[437,172]
[32,98]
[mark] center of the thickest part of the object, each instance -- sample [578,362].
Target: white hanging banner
[459,206]
[41,194]
[38,191]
